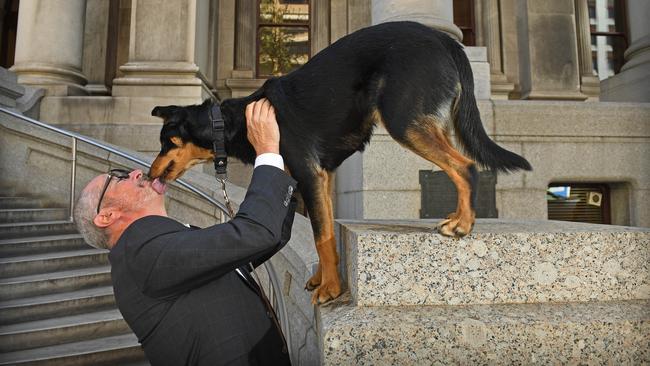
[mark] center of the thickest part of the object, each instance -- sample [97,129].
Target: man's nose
[136,175]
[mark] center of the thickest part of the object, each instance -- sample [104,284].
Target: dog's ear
[164,112]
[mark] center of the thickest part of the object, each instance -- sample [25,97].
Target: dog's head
[184,139]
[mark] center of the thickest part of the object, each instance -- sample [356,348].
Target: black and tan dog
[414,81]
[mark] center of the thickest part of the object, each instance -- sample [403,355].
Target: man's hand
[262,128]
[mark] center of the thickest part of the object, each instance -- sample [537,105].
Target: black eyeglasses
[120,174]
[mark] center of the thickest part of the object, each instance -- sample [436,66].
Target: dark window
[579,202]
[608,28]
[9,30]
[464,19]
[283,36]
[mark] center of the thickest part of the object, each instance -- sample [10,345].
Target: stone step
[41,244]
[408,263]
[52,261]
[115,350]
[615,333]
[19,202]
[8,215]
[22,229]
[54,282]
[74,328]
[61,304]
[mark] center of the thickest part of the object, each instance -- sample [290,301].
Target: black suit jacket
[177,289]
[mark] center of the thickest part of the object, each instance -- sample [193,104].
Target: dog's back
[331,102]
[392,74]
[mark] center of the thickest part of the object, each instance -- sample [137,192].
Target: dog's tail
[468,125]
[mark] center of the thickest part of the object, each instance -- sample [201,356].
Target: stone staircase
[510,293]
[56,300]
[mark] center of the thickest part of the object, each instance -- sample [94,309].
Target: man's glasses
[120,174]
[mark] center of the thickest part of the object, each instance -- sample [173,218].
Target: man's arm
[177,262]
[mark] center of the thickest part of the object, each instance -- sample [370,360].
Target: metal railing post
[73,177]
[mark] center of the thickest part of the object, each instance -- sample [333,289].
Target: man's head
[111,202]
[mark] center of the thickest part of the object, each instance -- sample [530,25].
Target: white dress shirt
[270,159]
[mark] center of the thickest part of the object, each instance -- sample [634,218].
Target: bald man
[187,293]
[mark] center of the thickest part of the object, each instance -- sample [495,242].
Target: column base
[590,86]
[162,79]
[553,95]
[500,87]
[56,80]
[243,87]
[481,69]
[632,84]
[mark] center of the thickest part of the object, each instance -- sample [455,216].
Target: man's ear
[106,217]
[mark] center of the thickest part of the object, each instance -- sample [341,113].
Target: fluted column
[49,45]
[438,14]
[162,59]
[501,87]
[95,46]
[632,84]
[245,43]
[589,83]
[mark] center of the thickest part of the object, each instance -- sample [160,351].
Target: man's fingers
[257,112]
[249,112]
[264,113]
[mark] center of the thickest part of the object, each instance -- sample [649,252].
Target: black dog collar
[218,141]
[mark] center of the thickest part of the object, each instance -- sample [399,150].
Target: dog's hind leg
[427,138]
[316,191]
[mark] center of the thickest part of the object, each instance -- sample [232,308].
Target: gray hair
[84,213]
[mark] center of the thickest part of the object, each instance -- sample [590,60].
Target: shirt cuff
[271,159]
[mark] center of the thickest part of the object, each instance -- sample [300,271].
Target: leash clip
[231,212]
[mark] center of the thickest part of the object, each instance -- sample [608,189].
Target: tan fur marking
[427,139]
[326,279]
[184,157]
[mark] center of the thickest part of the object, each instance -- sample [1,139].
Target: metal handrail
[278,301]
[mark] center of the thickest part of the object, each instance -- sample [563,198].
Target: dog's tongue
[158,186]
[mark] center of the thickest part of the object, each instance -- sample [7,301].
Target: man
[184,292]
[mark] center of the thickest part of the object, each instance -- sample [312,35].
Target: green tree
[274,41]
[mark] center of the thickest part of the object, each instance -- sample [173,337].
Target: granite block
[590,333]
[502,261]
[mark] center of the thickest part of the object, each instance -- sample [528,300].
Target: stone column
[226,25]
[320,30]
[501,87]
[548,62]
[49,45]
[438,14]
[589,83]
[242,81]
[246,39]
[509,44]
[95,46]
[161,60]
[632,84]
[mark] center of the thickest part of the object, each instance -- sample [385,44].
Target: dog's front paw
[325,293]
[314,281]
[455,226]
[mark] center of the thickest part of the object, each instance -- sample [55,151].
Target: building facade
[565,83]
